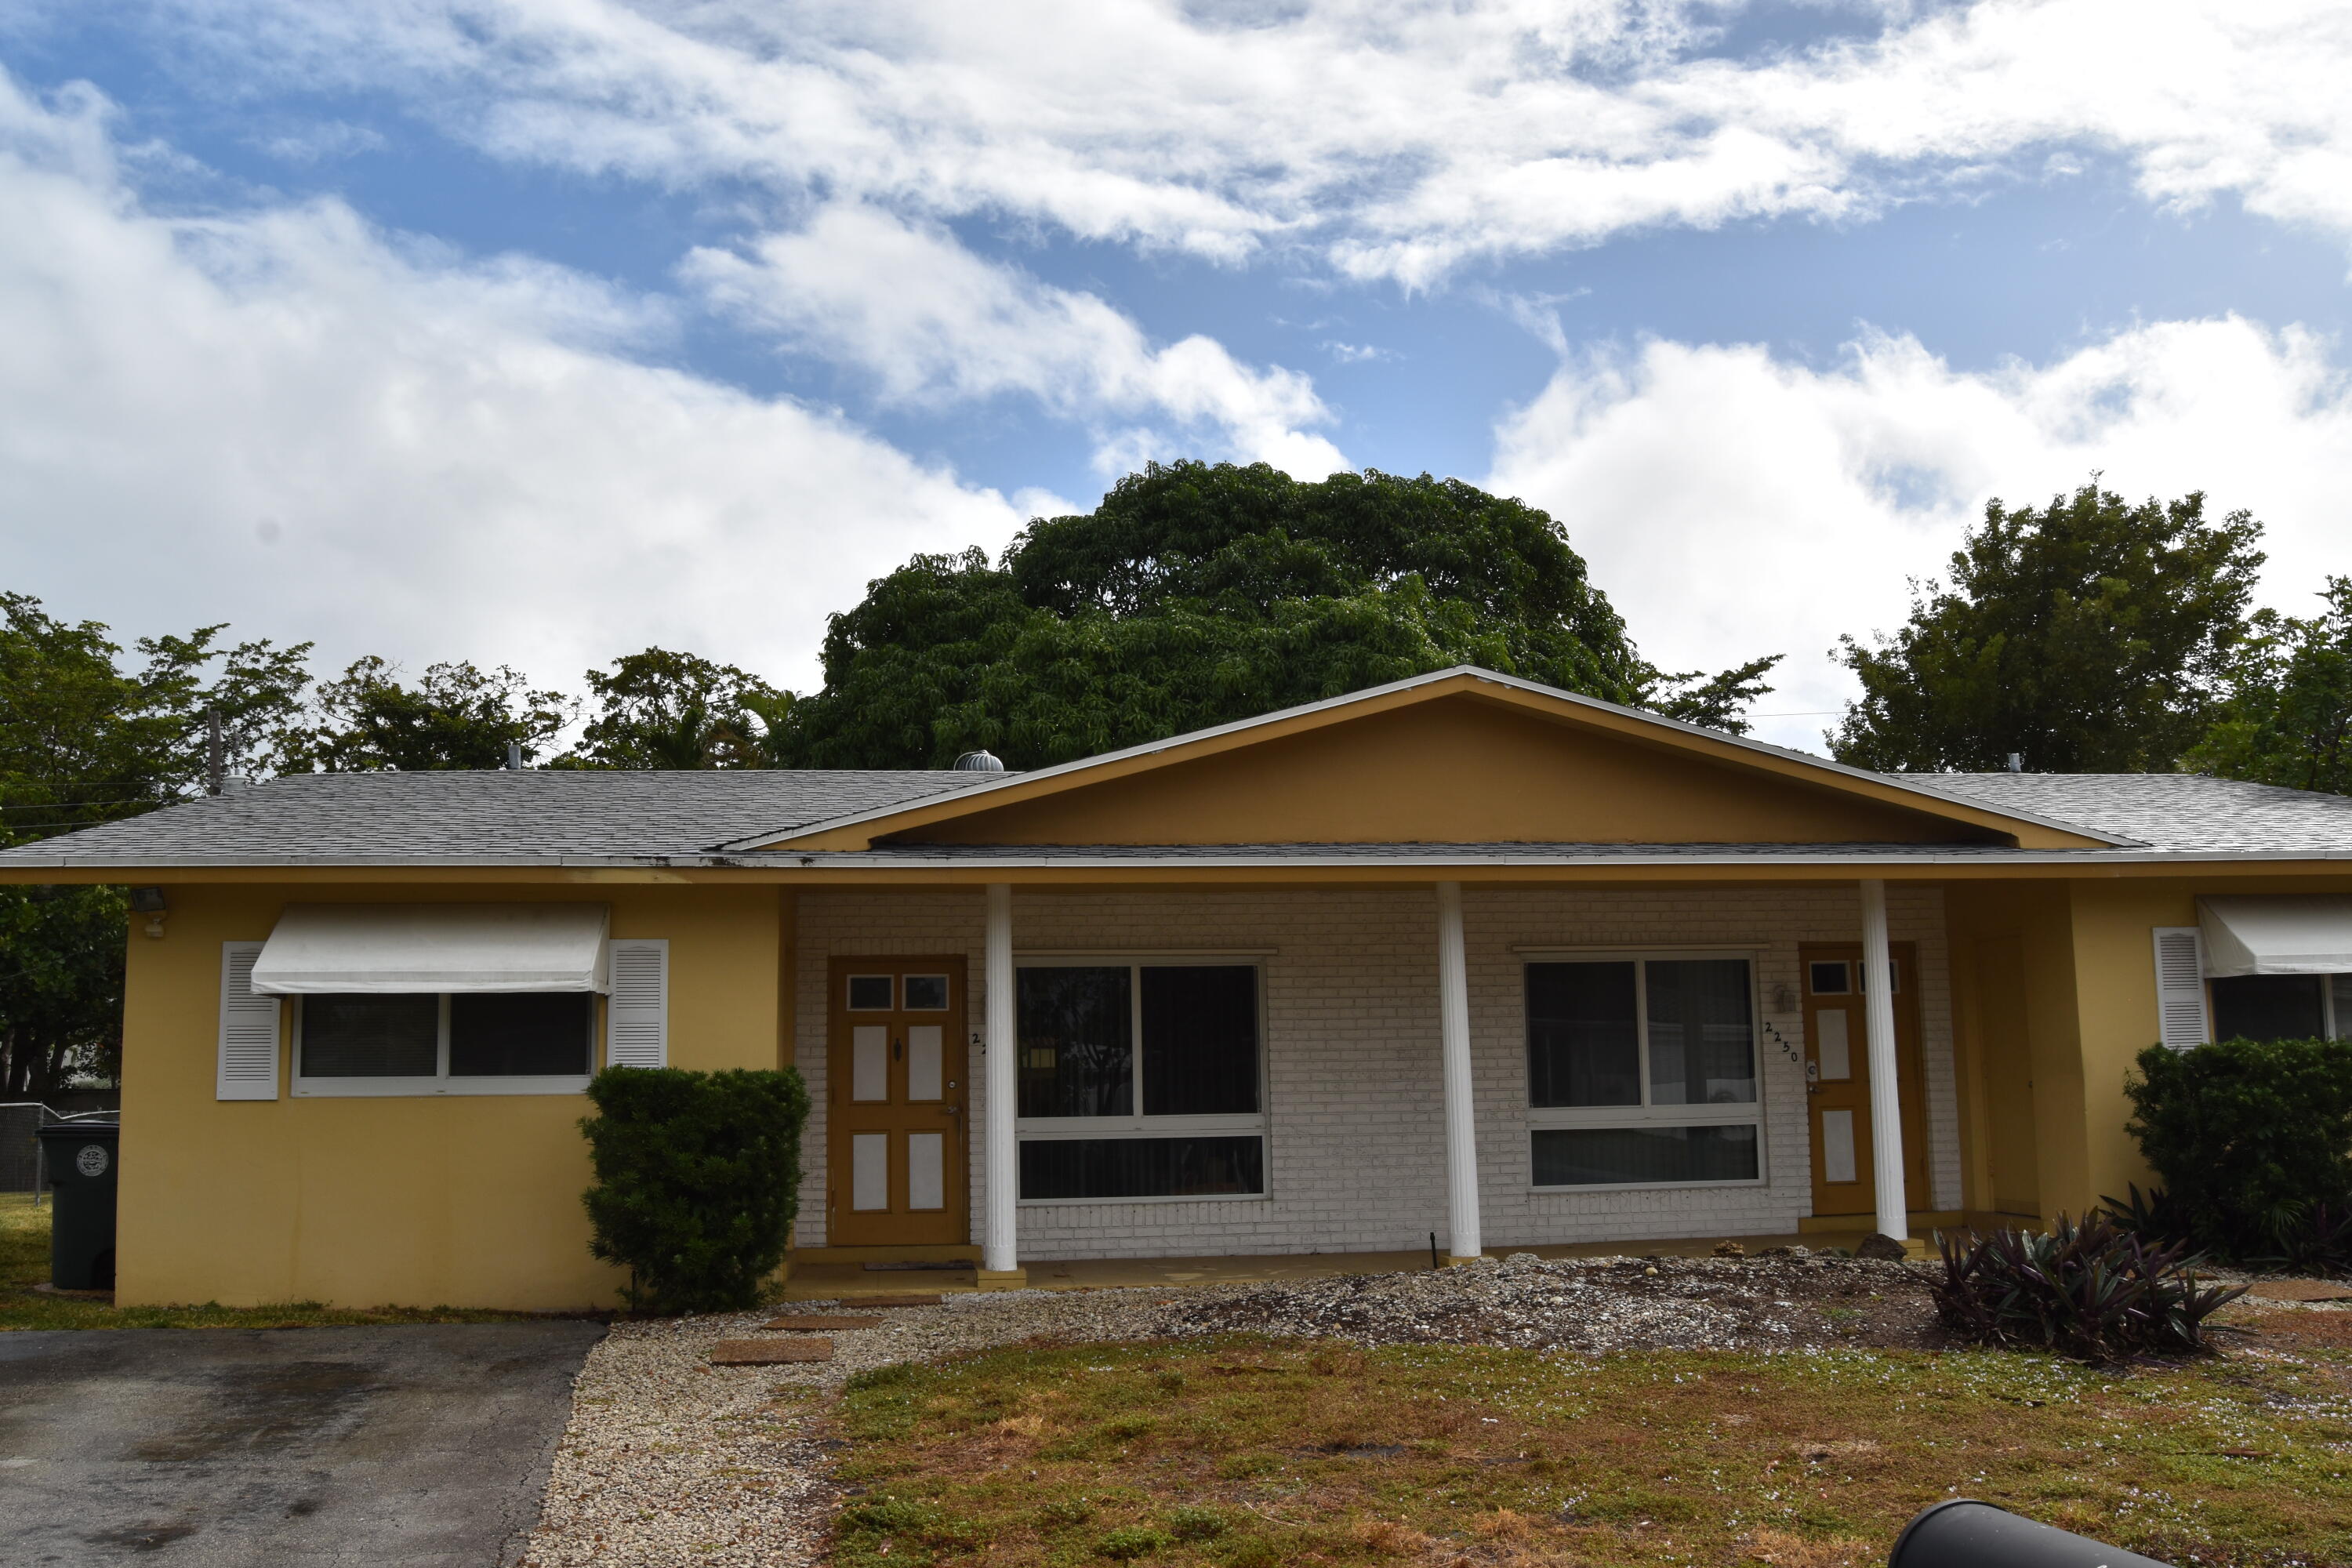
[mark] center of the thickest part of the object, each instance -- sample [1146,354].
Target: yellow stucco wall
[456,1199]
[1459,769]
[2090,978]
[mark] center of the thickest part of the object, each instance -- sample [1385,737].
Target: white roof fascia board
[2276,933]
[395,949]
[801,860]
[1492,677]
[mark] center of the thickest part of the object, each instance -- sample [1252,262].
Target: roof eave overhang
[858,830]
[899,866]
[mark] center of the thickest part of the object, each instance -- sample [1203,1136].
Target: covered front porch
[1240,1081]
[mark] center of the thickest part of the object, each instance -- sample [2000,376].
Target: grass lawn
[1251,1452]
[25,1263]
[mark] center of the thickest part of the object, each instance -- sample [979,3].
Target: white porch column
[1461,1116]
[999,1250]
[1885,1094]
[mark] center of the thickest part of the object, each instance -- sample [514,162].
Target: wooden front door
[897,1079]
[1837,1078]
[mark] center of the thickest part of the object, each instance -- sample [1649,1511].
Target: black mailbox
[1966,1533]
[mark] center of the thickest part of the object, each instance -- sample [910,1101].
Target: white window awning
[2287,934]
[323,949]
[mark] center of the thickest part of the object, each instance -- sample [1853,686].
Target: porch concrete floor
[852,1281]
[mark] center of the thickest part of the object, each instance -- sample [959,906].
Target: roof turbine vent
[979,763]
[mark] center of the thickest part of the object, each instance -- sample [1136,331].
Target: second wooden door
[1838,1085]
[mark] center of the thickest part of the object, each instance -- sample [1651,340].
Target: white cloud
[934,323]
[287,420]
[1396,138]
[1733,504]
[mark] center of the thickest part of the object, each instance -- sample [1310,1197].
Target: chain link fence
[20,1151]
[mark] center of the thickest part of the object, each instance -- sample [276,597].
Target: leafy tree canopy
[664,709]
[1198,594]
[87,737]
[2091,636]
[2287,719]
[454,716]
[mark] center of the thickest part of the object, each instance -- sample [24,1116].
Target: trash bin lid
[79,1131]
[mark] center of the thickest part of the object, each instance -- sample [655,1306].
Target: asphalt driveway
[250,1449]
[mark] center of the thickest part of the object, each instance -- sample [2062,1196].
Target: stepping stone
[2302,1291]
[912,1298]
[821,1323]
[768,1352]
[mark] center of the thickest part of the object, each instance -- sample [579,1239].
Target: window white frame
[1744,1113]
[1033,1129]
[441,1083]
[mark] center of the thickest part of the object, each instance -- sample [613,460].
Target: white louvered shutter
[2181,986]
[247,1068]
[636,1013]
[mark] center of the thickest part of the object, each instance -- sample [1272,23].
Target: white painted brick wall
[1356,1137]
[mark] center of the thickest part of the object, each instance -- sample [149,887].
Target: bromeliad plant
[2092,1291]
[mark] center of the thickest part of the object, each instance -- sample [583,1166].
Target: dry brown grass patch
[1256,1452]
[1782,1549]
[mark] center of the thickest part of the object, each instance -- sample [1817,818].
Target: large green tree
[1197,593]
[454,716]
[2090,635]
[2287,719]
[87,737]
[659,709]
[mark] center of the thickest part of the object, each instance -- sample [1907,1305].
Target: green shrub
[2094,1292]
[1188,1522]
[697,1177]
[887,1376]
[1134,1540]
[2249,1137]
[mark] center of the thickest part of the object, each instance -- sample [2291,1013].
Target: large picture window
[1641,1071]
[1140,1080]
[496,1042]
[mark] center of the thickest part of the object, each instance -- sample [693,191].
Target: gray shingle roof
[527,818]
[2185,812]
[558,817]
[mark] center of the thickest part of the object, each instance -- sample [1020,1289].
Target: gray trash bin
[79,1159]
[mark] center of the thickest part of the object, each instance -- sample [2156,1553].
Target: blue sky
[535,332]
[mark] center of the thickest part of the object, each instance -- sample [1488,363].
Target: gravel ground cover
[668,1459]
[1786,1300]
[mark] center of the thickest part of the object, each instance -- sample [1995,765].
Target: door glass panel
[1604,1156]
[870,1167]
[1830,1044]
[370,1037]
[1199,1040]
[1830,978]
[869,1075]
[927,1171]
[1702,1042]
[1580,1028]
[870,993]
[923,1054]
[1837,1146]
[927,992]
[1076,1054]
